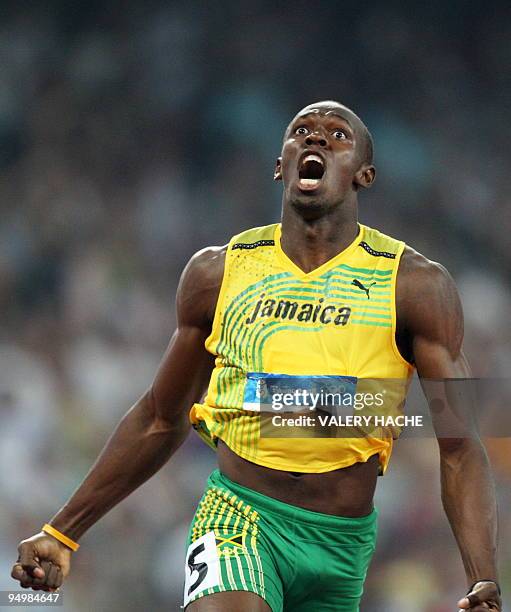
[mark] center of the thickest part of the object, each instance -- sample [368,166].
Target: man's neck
[309,243]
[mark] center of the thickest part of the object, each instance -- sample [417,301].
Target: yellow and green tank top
[273,319]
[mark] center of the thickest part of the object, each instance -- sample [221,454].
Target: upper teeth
[313,157]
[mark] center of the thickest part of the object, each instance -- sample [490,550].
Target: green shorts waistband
[290,512]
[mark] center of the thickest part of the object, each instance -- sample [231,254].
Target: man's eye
[301,130]
[340,135]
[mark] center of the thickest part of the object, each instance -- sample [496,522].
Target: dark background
[132,135]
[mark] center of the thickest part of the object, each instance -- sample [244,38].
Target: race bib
[202,570]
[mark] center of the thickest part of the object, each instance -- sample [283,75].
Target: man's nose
[315,138]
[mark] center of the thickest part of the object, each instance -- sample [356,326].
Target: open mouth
[310,172]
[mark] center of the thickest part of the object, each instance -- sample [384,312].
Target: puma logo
[358,284]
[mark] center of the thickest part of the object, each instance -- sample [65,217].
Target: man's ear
[365,176]
[277,175]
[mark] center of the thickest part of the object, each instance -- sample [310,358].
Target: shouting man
[287,523]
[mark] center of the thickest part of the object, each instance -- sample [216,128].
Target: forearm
[468,497]
[140,445]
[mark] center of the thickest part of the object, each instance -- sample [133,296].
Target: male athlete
[286,523]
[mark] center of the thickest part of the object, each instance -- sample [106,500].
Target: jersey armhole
[395,348]
[220,300]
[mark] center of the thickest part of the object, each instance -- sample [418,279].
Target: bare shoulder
[206,266]
[199,285]
[427,300]
[419,277]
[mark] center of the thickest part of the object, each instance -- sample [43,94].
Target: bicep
[434,320]
[183,372]
[186,365]
[436,329]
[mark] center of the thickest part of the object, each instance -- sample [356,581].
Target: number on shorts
[202,566]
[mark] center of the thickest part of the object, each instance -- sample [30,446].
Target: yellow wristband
[60,537]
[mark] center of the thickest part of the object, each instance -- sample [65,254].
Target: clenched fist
[42,564]
[484,595]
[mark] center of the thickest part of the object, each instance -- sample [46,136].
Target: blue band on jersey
[291,393]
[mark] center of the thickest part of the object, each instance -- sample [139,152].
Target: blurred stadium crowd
[132,135]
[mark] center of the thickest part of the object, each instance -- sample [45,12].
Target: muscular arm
[154,428]
[146,437]
[431,329]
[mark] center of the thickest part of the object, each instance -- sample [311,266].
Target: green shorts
[295,559]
